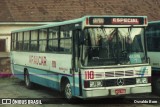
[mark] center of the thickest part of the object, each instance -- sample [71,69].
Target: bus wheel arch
[62,83]
[66,88]
[27,81]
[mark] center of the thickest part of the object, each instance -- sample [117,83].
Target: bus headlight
[93,84]
[141,80]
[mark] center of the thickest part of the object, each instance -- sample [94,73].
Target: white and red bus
[89,57]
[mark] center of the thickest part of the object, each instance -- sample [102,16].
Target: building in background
[5,34]
[5,42]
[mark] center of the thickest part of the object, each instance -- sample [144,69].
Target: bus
[153,51]
[88,57]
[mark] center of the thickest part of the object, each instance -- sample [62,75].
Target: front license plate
[120,91]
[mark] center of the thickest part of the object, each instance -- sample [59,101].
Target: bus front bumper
[113,92]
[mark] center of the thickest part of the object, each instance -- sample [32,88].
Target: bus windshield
[111,46]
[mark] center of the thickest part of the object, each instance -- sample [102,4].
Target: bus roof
[70,22]
[158,21]
[51,25]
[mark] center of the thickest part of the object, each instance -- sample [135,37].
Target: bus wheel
[157,86]
[68,91]
[28,83]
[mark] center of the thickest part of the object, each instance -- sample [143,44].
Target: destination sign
[98,21]
[125,21]
[117,20]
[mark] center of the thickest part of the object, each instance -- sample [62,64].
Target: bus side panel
[53,80]
[18,71]
[45,68]
[154,60]
[44,78]
[77,84]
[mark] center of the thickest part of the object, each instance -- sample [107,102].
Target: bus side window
[20,41]
[153,43]
[156,44]
[53,39]
[42,40]
[65,39]
[42,47]
[34,41]
[26,41]
[14,36]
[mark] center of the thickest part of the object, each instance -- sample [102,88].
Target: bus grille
[113,82]
[119,73]
[109,74]
[129,73]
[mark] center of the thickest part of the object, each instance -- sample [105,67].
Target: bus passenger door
[75,63]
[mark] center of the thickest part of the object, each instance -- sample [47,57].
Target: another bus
[89,57]
[153,46]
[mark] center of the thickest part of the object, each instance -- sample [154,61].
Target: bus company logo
[125,21]
[120,81]
[38,60]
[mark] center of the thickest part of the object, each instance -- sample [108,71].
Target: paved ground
[14,88]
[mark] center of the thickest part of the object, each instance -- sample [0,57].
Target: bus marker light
[87,21]
[145,21]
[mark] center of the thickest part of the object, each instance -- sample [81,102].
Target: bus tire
[68,92]
[28,83]
[157,86]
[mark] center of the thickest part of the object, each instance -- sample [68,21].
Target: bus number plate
[120,91]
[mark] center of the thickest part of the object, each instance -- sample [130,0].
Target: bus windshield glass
[112,46]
